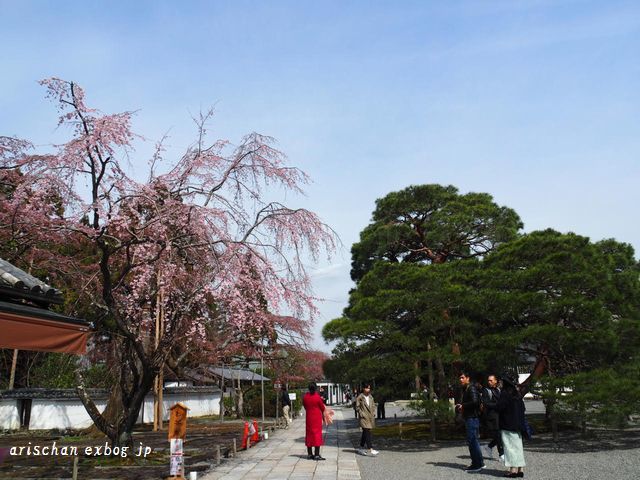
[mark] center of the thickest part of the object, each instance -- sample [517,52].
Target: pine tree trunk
[540,367]
[442,380]
[551,415]
[430,400]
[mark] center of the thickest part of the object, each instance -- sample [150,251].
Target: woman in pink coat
[314,406]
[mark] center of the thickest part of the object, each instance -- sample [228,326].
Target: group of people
[501,407]
[318,413]
[498,405]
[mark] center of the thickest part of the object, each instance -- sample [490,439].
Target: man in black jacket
[469,406]
[490,397]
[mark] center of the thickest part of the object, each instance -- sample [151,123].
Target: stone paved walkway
[284,456]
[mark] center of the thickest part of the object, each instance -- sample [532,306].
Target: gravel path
[609,455]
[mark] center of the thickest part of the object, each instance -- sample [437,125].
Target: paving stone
[283,457]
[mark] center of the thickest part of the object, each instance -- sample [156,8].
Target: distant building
[335,392]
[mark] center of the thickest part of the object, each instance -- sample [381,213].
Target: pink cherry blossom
[198,244]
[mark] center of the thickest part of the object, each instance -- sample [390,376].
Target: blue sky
[535,102]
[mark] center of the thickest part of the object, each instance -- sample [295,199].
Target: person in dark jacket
[353,403]
[511,409]
[469,406]
[323,393]
[490,397]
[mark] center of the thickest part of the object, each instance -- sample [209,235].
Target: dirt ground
[203,436]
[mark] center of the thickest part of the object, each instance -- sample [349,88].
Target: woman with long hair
[511,410]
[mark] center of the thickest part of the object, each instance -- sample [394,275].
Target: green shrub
[442,410]
[54,370]
[253,402]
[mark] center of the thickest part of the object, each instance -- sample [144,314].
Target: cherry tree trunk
[125,401]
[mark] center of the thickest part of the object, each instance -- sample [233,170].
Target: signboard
[178,421]
[292,396]
[177,434]
[176,446]
[176,468]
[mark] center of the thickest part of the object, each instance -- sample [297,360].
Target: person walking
[354,403]
[314,407]
[366,410]
[469,407]
[323,393]
[286,406]
[511,410]
[490,397]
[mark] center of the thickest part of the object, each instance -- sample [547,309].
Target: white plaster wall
[199,405]
[48,414]
[68,413]
[146,411]
[9,415]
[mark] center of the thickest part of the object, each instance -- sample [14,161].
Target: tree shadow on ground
[570,441]
[593,441]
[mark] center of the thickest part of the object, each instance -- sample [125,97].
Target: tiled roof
[70,393]
[16,283]
[28,311]
[59,393]
[194,375]
[232,373]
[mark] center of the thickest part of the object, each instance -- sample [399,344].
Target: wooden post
[159,381]
[222,395]
[262,377]
[155,404]
[400,429]
[235,448]
[14,363]
[160,396]
[218,455]
[74,474]
[277,388]
[177,435]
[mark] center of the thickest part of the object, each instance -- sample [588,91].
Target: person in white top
[366,407]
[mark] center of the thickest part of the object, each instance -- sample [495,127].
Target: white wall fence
[9,414]
[335,392]
[55,409]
